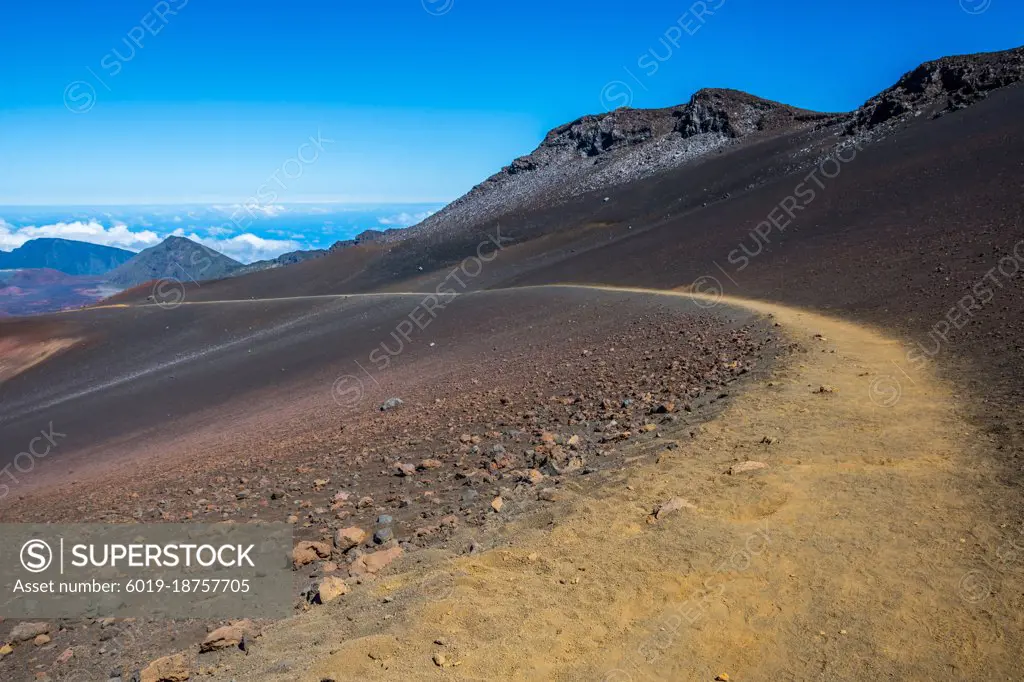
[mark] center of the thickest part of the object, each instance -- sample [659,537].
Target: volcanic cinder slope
[893,437]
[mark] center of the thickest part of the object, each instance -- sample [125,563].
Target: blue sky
[202,101]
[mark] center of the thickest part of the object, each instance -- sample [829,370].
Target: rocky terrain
[625,145]
[453,457]
[892,492]
[939,87]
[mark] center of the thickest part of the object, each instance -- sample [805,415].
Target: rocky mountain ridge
[605,150]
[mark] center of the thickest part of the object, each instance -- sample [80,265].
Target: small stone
[6,650]
[385,520]
[382,535]
[723,677]
[330,589]
[347,538]
[534,476]
[375,561]
[665,408]
[293,519]
[430,464]
[497,503]
[403,469]
[549,495]
[174,668]
[228,636]
[675,504]
[744,467]
[390,404]
[440,659]
[40,640]
[769,440]
[825,389]
[23,632]
[307,552]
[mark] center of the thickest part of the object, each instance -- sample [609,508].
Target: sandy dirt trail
[861,552]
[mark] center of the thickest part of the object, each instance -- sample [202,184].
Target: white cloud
[217,231]
[405,219]
[247,247]
[268,210]
[118,234]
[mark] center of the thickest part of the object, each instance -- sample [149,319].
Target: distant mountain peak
[177,258]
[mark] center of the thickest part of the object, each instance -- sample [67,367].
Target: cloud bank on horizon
[261,234]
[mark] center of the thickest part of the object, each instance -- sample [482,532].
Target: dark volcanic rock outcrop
[621,146]
[941,86]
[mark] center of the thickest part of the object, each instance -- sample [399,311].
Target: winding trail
[857,554]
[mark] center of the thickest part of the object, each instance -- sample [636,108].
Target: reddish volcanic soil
[491,408]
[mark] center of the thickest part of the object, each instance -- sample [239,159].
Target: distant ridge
[65,255]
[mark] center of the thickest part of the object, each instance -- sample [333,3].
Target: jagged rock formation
[605,150]
[938,87]
[617,147]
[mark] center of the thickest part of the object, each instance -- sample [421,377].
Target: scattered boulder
[391,404]
[673,505]
[347,538]
[40,640]
[549,495]
[306,552]
[330,589]
[375,561]
[497,503]
[430,464]
[744,467]
[174,668]
[23,632]
[404,469]
[228,636]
